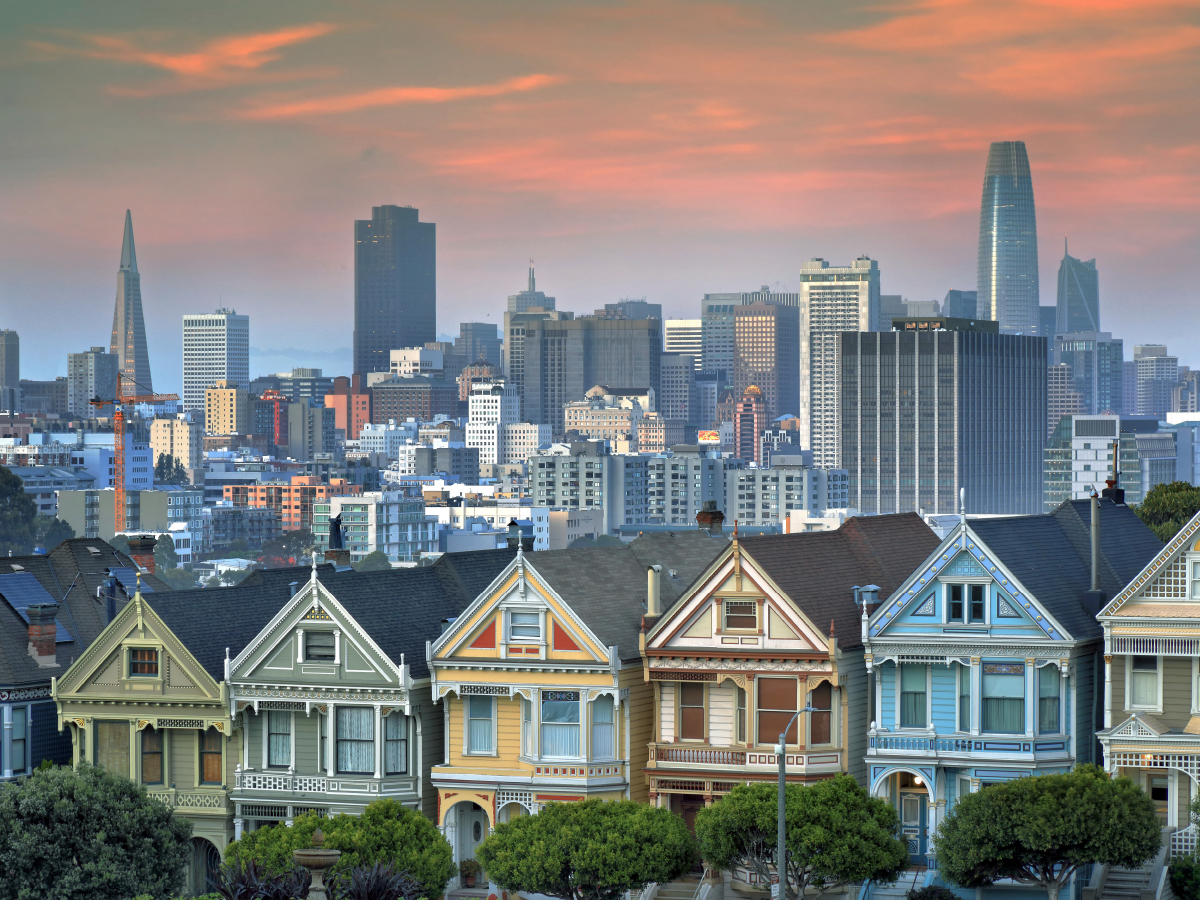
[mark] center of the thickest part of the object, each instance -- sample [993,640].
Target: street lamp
[781,836]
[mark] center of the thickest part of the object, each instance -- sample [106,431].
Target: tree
[50,531]
[169,470]
[386,831]
[1168,507]
[837,834]
[590,850]
[165,557]
[178,579]
[17,514]
[287,548]
[87,834]
[1039,830]
[120,543]
[372,562]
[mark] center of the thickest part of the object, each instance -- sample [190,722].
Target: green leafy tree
[237,547]
[1168,507]
[290,545]
[165,557]
[17,514]
[592,850]
[372,562]
[169,470]
[837,834]
[50,531]
[178,579]
[1041,830]
[87,834]
[387,832]
[120,543]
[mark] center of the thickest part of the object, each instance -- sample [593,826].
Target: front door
[1160,793]
[912,825]
[472,829]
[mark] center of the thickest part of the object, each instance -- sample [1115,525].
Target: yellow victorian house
[139,704]
[541,681]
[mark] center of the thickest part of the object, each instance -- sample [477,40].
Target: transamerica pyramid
[129,331]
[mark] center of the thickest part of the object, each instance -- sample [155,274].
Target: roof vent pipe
[653,595]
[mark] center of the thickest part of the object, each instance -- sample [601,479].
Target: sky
[649,149]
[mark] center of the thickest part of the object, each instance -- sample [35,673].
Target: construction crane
[126,394]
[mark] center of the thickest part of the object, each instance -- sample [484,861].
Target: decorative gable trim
[1139,725]
[486,639]
[1178,545]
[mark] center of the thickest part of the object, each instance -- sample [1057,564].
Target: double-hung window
[318,646]
[820,726]
[741,615]
[741,715]
[355,740]
[1004,698]
[776,706]
[210,756]
[279,739]
[479,724]
[526,727]
[967,603]
[560,724]
[152,756]
[1143,682]
[1048,700]
[112,747]
[964,698]
[913,696]
[524,627]
[395,744]
[603,738]
[691,711]
[20,728]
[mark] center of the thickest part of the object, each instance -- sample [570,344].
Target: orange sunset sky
[662,149]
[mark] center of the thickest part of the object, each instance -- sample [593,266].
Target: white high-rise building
[833,299]
[216,347]
[684,336]
[90,375]
[491,406]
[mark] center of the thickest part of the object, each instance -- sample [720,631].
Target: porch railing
[197,801]
[1184,841]
[920,744]
[700,756]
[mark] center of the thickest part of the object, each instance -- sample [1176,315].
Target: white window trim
[1063,688]
[958,722]
[266,740]
[506,611]
[467,751]
[965,581]
[584,723]
[1191,560]
[1158,707]
[928,699]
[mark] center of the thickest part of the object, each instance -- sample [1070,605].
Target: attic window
[318,646]
[143,662]
[741,615]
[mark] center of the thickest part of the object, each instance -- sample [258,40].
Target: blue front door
[912,823]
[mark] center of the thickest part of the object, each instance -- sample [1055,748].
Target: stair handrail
[703,888]
[1157,866]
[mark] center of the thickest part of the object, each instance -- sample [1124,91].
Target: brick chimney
[142,550]
[42,630]
[710,518]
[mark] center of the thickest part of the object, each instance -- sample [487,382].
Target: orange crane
[119,403]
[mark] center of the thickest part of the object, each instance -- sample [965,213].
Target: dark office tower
[1008,261]
[478,341]
[1095,358]
[395,285]
[924,413]
[765,354]
[1078,294]
[128,342]
[716,330]
[1047,322]
[631,308]
[959,305]
[10,371]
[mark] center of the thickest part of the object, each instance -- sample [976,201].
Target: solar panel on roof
[22,590]
[128,579]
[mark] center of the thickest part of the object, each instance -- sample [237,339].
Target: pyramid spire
[128,253]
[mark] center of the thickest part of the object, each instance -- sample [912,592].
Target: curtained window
[1004,698]
[210,757]
[1144,687]
[279,739]
[152,756]
[1048,699]
[741,615]
[524,627]
[560,723]
[691,711]
[912,696]
[603,741]
[741,716]
[355,740]
[20,728]
[526,727]
[479,724]
[395,744]
[318,646]
[964,698]
[143,662]
[112,747]
[820,726]
[776,705]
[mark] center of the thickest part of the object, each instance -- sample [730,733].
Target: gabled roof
[818,569]
[71,573]
[400,609]
[1050,555]
[1183,541]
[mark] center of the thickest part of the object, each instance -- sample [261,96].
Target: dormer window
[524,627]
[143,663]
[967,603]
[741,615]
[318,646]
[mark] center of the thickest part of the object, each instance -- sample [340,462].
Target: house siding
[641,730]
[852,677]
[432,741]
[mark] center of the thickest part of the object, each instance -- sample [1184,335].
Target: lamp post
[778,892]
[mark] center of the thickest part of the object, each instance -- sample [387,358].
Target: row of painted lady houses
[481,687]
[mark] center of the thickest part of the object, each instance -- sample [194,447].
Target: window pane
[151,756]
[912,710]
[143,662]
[355,740]
[112,747]
[741,614]
[602,728]
[691,694]
[318,646]
[602,710]
[741,715]
[19,763]
[777,693]
[819,728]
[210,757]
[691,723]
[481,707]
[822,696]
[395,747]
[956,602]
[912,677]
[558,711]
[479,724]
[771,725]
[560,740]
[525,625]
[1145,688]
[279,738]
[977,602]
[1003,715]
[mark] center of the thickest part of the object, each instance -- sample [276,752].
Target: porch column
[1173,798]
[133,754]
[331,743]
[1107,692]
[245,739]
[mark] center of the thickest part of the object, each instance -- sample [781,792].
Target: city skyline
[270,131]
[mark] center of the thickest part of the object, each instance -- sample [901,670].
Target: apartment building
[292,501]
[388,522]
[178,438]
[767,496]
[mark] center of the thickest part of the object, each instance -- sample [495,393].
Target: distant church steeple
[128,342]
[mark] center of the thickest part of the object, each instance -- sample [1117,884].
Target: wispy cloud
[396,96]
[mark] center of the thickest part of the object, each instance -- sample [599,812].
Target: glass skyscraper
[1007,287]
[1078,294]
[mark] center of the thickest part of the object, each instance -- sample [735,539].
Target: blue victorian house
[983,663]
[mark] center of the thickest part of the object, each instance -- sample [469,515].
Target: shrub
[246,880]
[86,834]
[386,832]
[380,882]
[932,892]
[1184,873]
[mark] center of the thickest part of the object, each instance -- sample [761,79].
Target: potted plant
[469,869]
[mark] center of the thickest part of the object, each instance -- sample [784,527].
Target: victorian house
[769,628]
[1151,727]
[984,661]
[540,681]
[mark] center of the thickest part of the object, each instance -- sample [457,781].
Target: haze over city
[661,150]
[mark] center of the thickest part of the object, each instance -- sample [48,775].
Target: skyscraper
[684,336]
[1007,288]
[1078,294]
[716,329]
[960,304]
[528,303]
[765,355]
[89,375]
[1096,368]
[128,342]
[216,347]
[395,285]
[833,299]
[478,341]
[10,370]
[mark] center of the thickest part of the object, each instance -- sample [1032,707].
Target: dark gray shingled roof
[1051,555]
[70,573]
[606,586]
[818,569]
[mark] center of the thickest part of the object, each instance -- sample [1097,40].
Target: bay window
[820,725]
[1048,700]
[355,740]
[279,739]
[603,737]
[112,747]
[1143,682]
[1004,698]
[913,696]
[20,726]
[479,724]
[395,744]
[560,724]
[776,705]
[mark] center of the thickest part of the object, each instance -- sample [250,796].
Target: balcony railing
[667,756]
[193,801]
[1184,841]
[982,746]
[700,756]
